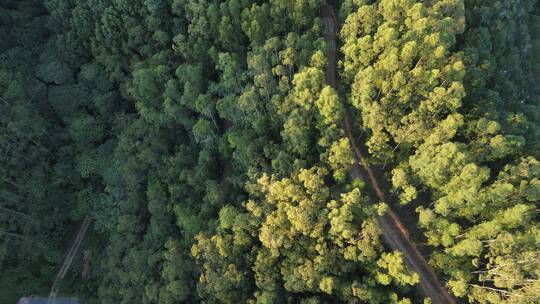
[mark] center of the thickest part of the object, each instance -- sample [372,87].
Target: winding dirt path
[394,234]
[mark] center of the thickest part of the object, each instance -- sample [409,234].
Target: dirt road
[394,234]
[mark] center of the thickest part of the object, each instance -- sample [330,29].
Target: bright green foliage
[394,270]
[499,249]
[448,92]
[294,238]
[402,73]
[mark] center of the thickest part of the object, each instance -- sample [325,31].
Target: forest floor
[394,234]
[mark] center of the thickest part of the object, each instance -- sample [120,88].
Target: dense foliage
[202,138]
[447,92]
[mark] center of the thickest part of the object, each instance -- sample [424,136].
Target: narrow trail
[70,255]
[395,236]
[225,167]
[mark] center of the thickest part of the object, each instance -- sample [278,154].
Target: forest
[271,151]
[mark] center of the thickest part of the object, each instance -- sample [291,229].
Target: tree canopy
[208,146]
